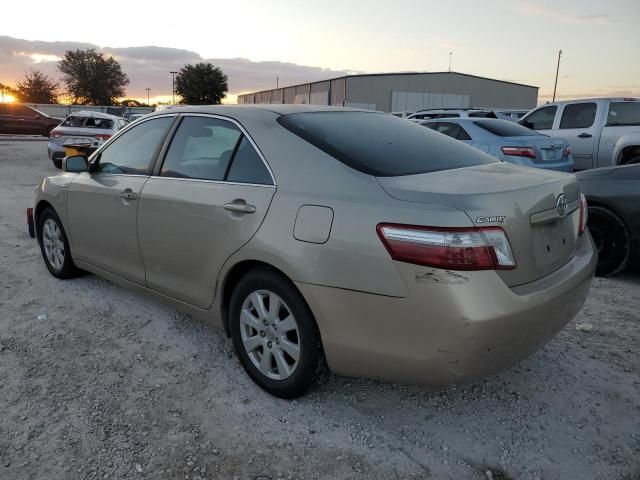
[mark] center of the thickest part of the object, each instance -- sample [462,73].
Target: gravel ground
[99,382]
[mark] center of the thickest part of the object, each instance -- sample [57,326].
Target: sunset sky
[256,41]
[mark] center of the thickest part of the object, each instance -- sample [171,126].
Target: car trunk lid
[547,149]
[524,202]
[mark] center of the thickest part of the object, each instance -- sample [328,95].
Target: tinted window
[446,115]
[201,148]
[87,122]
[578,115]
[483,115]
[504,128]
[132,152]
[247,166]
[380,144]
[623,113]
[541,119]
[452,130]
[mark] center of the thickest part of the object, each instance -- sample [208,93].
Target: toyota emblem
[561,204]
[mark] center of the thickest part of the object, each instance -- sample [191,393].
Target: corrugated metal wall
[399,92]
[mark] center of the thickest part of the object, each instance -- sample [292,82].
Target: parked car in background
[601,131]
[136,116]
[613,196]
[404,114]
[507,141]
[451,113]
[388,250]
[511,115]
[18,119]
[84,127]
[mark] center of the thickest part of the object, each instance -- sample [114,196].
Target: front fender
[54,191]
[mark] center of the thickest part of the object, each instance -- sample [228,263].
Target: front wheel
[612,239]
[54,246]
[275,335]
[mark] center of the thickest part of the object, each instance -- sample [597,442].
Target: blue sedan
[507,141]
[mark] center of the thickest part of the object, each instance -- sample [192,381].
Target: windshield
[382,145]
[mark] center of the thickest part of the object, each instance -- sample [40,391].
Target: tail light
[567,151]
[584,215]
[55,134]
[451,248]
[102,136]
[519,151]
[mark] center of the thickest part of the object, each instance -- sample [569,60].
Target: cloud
[552,13]
[149,67]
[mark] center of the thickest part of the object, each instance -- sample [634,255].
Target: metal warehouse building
[397,92]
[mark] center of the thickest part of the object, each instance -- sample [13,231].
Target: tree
[201,84]
[91,78]
[37,87]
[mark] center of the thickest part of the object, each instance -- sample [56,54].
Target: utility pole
[148,89]
[173,86]
[557,70]
[450,55]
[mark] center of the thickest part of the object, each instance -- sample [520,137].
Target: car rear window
[382,145]
[623,114]
[482,115]
[87,122]
[504,128]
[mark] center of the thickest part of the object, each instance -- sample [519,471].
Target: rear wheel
[55,246]
[275,335]
[612,239]
[633,160]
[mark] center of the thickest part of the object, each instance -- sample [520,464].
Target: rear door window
[623,114]
[381,145]
[452,130]
[578,115]
[541,119]
[247,166]
[201,149]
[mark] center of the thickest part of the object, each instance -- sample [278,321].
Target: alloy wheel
[269,334]
[53,243]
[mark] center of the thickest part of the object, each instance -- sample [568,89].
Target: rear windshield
[87,122]
[504,128]
[382,145]
[483,115]
[623,114]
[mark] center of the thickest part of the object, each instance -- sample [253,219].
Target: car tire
[612,239]
[262,302]
[54,246]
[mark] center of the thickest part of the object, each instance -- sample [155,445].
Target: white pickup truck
[601,131]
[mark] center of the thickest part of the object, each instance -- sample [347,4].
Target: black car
[17,119]
[613,197]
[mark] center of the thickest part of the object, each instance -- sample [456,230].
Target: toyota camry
[324,238]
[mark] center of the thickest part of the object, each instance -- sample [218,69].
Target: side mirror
[75,164]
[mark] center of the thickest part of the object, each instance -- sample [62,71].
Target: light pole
[450,55]
[148,90]
[173,86]
[557,70]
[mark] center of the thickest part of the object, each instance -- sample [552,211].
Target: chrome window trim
[202,180]
[245,133]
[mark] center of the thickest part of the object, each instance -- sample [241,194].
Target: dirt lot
[111,385]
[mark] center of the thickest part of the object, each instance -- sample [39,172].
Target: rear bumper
[453,327]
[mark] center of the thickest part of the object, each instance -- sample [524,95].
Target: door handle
[585,135]
[238,207]
[128,194]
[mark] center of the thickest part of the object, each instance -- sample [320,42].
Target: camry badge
[561,204]
[496,219]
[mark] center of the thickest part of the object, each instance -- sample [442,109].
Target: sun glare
[6,98]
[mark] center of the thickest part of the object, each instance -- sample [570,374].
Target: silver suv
[600,131]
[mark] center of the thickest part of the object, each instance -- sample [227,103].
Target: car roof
[612,99]
[281,109]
